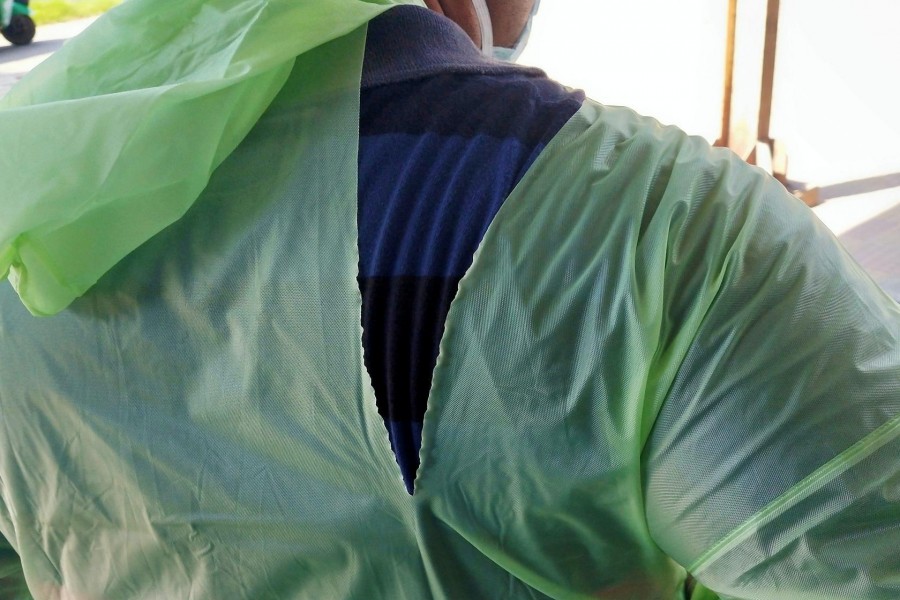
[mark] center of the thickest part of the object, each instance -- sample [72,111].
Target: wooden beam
[768,73]
[729,75]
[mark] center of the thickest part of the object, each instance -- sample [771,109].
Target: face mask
[487,33]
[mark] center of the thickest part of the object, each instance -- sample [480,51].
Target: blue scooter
[16,23]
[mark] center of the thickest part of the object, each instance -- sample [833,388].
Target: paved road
[15,61]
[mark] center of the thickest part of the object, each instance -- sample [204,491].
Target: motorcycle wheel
[20,30]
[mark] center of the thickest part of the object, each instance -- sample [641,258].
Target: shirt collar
[410,42]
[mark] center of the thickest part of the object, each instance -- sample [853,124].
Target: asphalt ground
[16,61]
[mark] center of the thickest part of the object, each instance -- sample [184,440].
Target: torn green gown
[677,366]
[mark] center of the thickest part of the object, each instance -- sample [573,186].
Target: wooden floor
[869,227]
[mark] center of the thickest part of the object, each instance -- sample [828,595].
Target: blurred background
[834,112]
[836,91]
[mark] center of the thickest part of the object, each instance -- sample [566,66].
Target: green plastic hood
[115,136]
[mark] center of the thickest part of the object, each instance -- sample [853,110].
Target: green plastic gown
[659,362]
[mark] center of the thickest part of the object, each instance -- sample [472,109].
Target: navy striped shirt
[445,136]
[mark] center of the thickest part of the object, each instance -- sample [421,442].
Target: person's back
[609,392]
[208,459]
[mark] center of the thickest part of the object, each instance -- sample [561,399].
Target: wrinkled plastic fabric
[113,138]
[693,364]
[658,361]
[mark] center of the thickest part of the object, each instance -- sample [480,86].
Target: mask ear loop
[487,28]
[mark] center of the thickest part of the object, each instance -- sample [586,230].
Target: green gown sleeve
[695,377]
[773,466]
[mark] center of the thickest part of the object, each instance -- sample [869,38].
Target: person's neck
[461,12]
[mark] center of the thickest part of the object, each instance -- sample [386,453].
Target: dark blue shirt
[445,136]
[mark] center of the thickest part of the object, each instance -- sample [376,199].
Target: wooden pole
[768,73]
[729,75]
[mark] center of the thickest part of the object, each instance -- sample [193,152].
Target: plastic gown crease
[657,360]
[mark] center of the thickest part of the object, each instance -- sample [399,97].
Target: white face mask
[487,33]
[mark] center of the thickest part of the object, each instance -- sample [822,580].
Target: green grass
[54,11]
